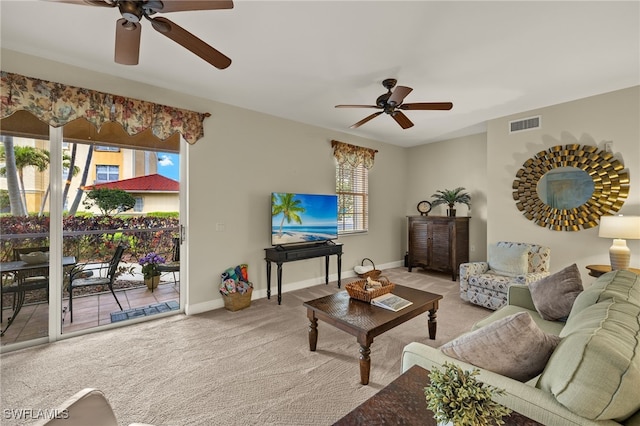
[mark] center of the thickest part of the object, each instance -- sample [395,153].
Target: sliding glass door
[82,205]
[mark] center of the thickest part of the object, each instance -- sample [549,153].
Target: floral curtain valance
[353,155]
[57,104]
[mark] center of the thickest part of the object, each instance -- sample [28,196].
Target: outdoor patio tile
[89,311]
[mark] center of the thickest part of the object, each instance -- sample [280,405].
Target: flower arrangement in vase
[150,271]
[457,397]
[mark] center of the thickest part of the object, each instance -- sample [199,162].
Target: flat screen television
[303,218]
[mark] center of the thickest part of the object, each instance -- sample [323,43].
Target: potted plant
[150,271]
[450,197]
[457,398]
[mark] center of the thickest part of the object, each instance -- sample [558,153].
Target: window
[107,173]
[352,187]
[139,206]
[107,148]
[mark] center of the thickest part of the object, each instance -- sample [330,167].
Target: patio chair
[95,274]
[173,265]
[34,279]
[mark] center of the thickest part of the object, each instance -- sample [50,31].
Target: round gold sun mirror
[568,187]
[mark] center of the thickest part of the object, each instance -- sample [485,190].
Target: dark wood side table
[597,270]
[402,402]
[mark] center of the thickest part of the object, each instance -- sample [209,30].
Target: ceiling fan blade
[182,5]
[445,106]
[127,42]
[358,106]
[398,95]
[190,42]
[402,119]
[101,3]
[364,120]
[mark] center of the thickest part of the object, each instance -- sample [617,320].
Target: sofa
[592,376]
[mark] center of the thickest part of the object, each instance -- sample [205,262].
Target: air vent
[524,124]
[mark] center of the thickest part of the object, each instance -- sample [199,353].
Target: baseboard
[262,293]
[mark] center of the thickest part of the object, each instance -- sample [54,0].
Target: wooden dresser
[438,243]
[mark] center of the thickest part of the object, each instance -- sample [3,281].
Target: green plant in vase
[456,397]
[451,197]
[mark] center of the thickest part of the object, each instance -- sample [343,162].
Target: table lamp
[620,228]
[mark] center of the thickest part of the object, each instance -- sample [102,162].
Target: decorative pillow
[553,296]
[513,346]
[509,261]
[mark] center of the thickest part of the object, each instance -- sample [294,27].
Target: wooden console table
[281,254]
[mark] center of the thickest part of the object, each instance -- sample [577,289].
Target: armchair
[487,283]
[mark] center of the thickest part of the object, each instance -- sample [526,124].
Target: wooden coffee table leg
[365,364]
[433,322]
[313,330]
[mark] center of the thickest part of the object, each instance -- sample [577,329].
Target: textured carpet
[250,367]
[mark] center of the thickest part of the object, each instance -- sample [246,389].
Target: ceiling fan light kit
[391,103]
[128,28]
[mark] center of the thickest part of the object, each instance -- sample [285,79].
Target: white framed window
[107,148]
[107,173]
[139,206]
[352,188]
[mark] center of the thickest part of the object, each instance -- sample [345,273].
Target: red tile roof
[155,183]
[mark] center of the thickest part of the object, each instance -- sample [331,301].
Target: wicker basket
[356,289]
[373,274]
[237,301]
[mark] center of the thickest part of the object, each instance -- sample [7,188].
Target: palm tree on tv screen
[288,206]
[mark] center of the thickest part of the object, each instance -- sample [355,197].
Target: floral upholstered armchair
[486,283]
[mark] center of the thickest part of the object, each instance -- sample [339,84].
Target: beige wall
[231,178]
[612,117]
[246,155]
[448,165]
[486,165]
[233,169]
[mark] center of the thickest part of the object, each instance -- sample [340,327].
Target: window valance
[58,104]
[353,155]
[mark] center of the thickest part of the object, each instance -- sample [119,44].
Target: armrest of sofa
[524,398]
[519,295]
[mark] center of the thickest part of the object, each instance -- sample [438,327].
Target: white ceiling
[298,59]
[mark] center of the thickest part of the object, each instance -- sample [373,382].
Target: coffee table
[402,402]
[365,321]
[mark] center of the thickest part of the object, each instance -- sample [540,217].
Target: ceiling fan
[128,28]
[391,103]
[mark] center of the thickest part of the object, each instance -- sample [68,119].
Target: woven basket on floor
[373,274]
[237,301]
[356,289]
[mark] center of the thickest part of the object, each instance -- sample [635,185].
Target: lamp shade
[620,227]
